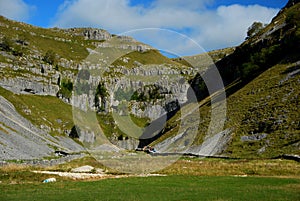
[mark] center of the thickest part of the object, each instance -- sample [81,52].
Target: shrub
[50,57]
[254,29]
[6,44]
[248,70]
[66,88]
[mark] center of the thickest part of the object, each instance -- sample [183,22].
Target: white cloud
[15,9]
[222,27]
[187,4]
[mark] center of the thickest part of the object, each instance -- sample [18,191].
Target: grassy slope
[44,110]
[262,106]
[74,47]
[265,106]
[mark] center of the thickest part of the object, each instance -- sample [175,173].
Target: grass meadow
[187,179]
[175,187]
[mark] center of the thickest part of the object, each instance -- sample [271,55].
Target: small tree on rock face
[7,44]
[75,131]
[254,29]
[66,88]
[101,92]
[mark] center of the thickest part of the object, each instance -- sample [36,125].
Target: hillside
[47,73]
[261,78]
[80,88]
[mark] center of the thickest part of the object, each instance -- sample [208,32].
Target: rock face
[255,137]
[112,80]
[96,34]
[20,85]
[22,140]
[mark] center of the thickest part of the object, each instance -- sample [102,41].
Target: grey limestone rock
[20,139]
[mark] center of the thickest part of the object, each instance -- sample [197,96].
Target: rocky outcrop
[254,137]
[20,85]
[90,33]
[96,34]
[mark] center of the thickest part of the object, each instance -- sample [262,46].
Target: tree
[248,71]
[254,29]
[101,92]
[75,132]
[66,88]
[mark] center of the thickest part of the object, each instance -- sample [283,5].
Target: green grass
[187,179]
[229,167]
[140,122]
[158,188]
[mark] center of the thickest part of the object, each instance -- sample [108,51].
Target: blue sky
[213,24]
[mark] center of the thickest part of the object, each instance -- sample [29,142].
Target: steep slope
[265,114]
[20,139]
[262,85]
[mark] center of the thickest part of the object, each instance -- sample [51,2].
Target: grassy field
[159,188]
[187,179]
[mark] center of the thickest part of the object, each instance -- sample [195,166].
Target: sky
[182,27]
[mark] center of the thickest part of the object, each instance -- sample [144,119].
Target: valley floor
[187,179]
[159,188]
